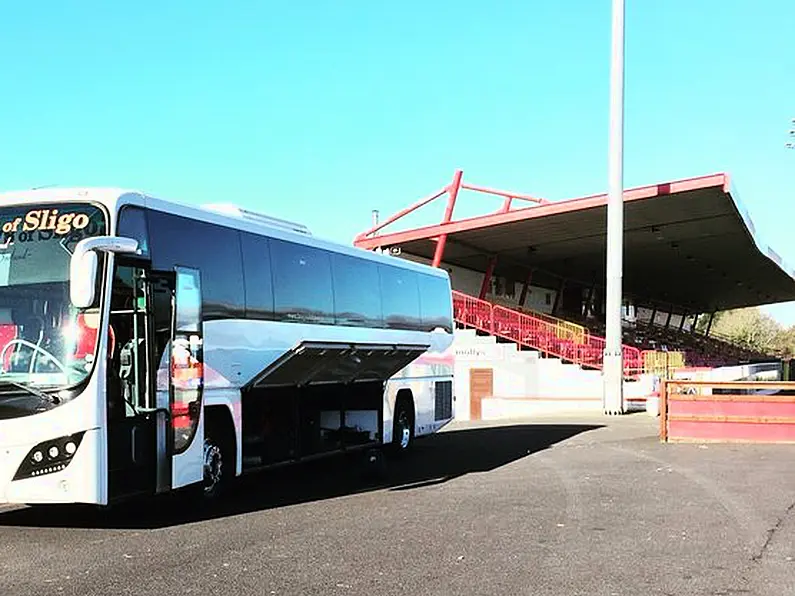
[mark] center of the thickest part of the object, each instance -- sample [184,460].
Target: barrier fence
[563,329]
[662,364]
[737,411]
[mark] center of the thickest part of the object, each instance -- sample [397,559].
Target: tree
[754,330]
[786,342]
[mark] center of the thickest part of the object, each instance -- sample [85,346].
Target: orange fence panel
[662,363]
[741,411]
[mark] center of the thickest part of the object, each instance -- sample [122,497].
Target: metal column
[709,325]
[525,287]
[613,371]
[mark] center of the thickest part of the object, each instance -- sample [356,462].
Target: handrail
[662,363]
[565,329]
[536,333]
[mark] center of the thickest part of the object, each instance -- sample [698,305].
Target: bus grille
[444,400]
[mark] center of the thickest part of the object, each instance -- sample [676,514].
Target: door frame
[147,412]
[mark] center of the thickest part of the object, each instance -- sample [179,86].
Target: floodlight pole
[613,370]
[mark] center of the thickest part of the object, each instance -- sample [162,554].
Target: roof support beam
[558,297]
[486,284]
[589,301]
[448,216]
[709,324]
[653,315]
[695,324]
[525,287]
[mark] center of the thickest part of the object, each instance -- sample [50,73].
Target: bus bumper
[78,481]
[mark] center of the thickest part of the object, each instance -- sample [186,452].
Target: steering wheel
[35,348]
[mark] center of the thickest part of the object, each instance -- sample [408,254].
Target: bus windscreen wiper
[42,395]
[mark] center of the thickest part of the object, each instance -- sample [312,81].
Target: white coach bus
[147,346]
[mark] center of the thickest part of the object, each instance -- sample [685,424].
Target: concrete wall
[525,384]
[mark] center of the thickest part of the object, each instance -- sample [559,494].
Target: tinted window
[435,303]
[132,224]
[357,301]
[400,298]
[213,250]
[302,288]
[257,268]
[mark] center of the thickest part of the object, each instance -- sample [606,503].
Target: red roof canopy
[688,244]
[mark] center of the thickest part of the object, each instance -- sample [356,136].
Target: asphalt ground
[588,505]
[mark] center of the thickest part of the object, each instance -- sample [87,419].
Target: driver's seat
[8,332]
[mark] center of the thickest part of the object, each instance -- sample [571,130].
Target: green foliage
[752,329]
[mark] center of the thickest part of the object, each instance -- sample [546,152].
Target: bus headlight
[59,454]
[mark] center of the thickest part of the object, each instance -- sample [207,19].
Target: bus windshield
[45,343]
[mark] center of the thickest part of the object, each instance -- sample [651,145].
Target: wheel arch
[219,419]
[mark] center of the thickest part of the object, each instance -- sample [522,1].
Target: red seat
[8,332]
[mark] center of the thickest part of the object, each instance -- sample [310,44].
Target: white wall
[526,384]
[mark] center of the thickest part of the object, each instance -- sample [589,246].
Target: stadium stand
[690,248]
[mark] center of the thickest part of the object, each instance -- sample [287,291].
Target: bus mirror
[83,279]
[83,267]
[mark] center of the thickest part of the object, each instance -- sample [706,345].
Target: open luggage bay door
[311,363]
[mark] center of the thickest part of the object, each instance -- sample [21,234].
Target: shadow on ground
[433,460]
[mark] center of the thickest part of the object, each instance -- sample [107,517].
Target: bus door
[138,447]
[186,368]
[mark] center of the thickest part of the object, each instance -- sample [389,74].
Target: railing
[538,334]
[563,329]
[662,363]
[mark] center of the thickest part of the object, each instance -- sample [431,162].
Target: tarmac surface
[580,505]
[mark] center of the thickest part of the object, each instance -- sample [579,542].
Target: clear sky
[321,111]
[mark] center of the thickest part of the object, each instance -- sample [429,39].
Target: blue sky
[322,111]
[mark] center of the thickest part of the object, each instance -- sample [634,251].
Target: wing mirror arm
[83,266]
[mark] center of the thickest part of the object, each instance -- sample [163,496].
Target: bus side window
[258,276]
[132,224]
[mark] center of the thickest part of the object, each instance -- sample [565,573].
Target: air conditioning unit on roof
[274,222]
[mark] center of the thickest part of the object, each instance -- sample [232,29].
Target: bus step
[250,461]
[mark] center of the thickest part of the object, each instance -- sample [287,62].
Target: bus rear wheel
[403,425]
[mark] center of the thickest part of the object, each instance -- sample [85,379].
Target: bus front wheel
[218,458]
[214,469]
